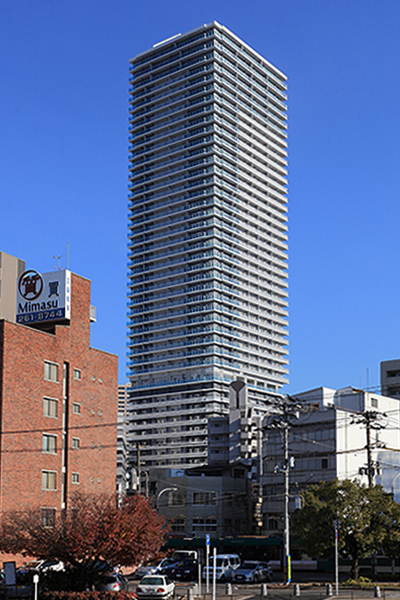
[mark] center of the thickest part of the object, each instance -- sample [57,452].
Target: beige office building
[10,269]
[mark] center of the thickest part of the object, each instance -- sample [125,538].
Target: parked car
[155,586]
[226,564]
[179,555]
[186,570]
[252,571]
[165,564]
[115,582]
[41,566]
[151,569]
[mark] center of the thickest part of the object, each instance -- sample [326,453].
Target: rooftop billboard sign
[43,297]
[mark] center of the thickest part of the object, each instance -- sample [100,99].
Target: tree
[95,531]
[369,520]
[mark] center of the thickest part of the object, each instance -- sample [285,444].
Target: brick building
[58,407]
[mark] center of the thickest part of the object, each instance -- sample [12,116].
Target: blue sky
[63,158]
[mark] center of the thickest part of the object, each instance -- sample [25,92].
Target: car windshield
[152,581]
[248,565]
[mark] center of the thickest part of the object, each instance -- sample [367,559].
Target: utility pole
[371,420]
[284,411]
[370,468]
[286,467]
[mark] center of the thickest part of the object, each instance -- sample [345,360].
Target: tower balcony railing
[164,172]
[178,103]
[155,130]
[251,144]
[252,67]
[173,114]
[250,171]
[177,57]
[263,89]
[247,107]
[168,191]
[244,196]
[170,136]
[248,232]
[168,335]
[244,229]
[258,189]
[244,91]
[269,101]
[259,202]
[272,177]
[137,385]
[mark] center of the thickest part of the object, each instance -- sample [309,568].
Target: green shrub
[360,582]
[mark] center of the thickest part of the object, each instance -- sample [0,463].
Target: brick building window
[50,371]
[49,443]
[76,443]
[76,408]
[75,477]
[77,374]
[50,406]
[48,517]
[49,480]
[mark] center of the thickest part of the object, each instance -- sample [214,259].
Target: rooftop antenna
[58,267]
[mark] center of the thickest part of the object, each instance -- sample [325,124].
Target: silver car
[253,571]
[114,582]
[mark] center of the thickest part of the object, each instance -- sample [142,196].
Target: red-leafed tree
[95,531]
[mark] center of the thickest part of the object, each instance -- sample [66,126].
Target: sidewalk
[276,592]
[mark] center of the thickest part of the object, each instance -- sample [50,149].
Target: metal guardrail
[287,593]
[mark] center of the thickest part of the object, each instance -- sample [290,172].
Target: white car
[155,586]
[226,565]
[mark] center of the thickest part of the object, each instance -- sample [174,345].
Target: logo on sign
[30,285]
[43,297]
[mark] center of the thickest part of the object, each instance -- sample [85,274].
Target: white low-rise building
[330,438]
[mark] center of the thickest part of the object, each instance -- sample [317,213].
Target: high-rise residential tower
[208,237]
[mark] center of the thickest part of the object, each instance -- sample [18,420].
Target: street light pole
[336,524]
[170,489]
[286,467]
